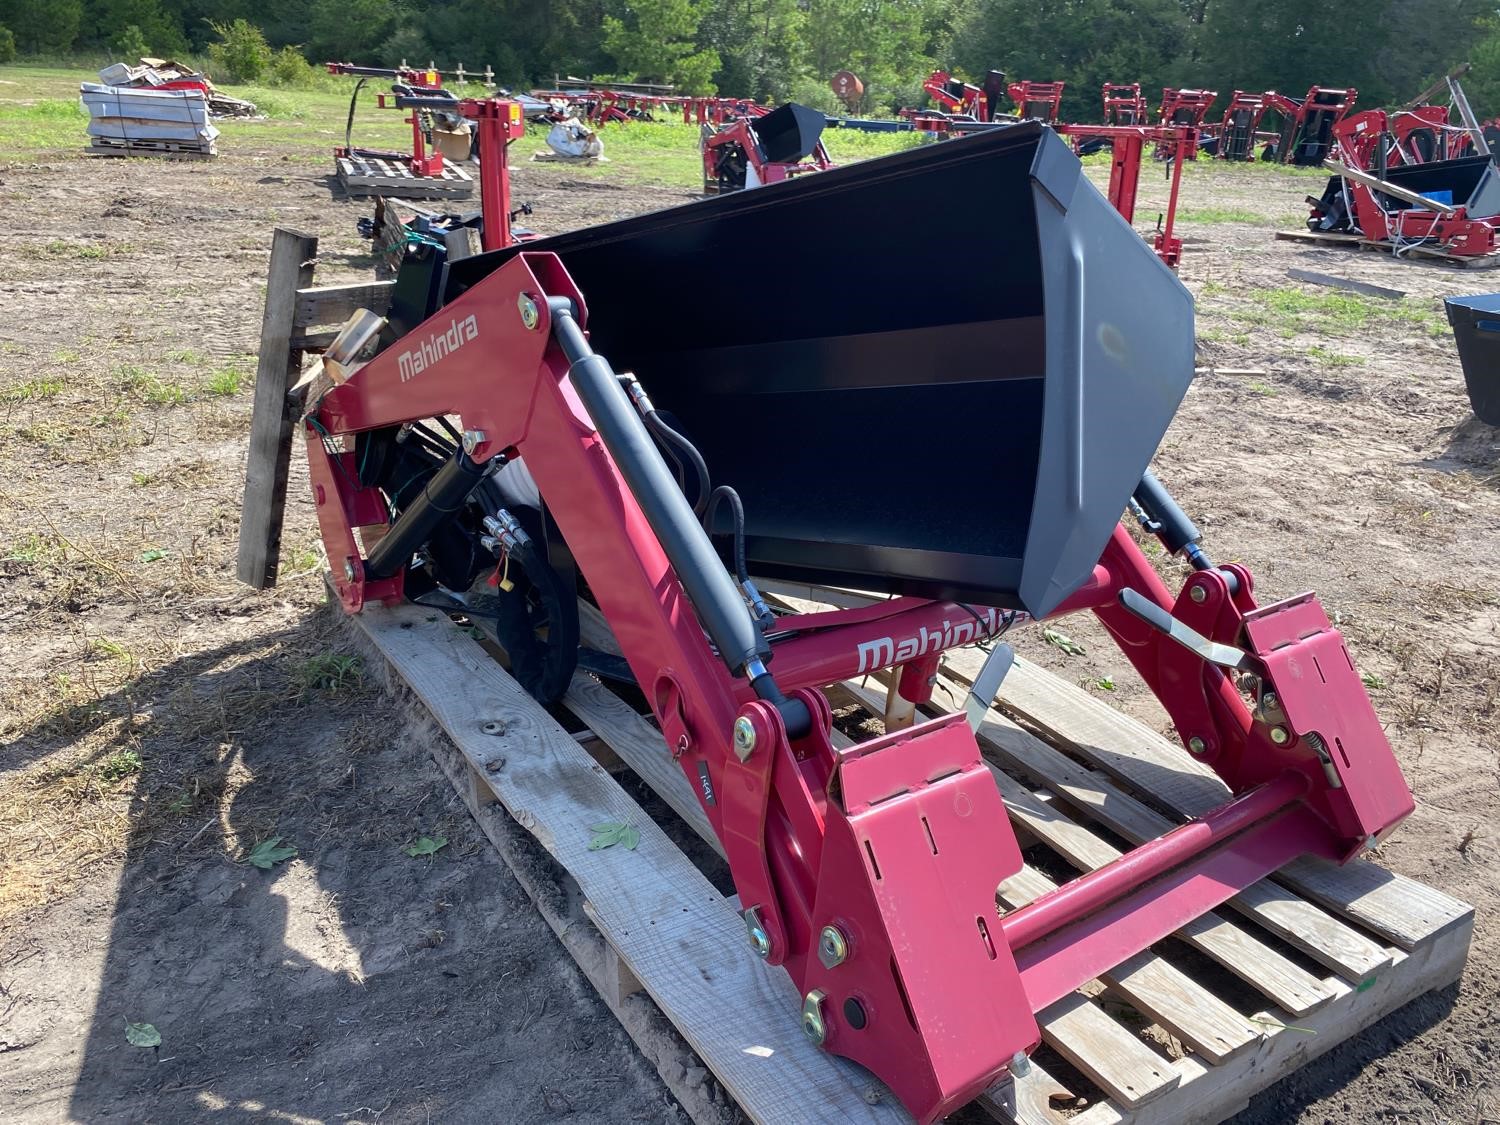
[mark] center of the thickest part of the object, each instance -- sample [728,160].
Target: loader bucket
[940,372]
[789,133]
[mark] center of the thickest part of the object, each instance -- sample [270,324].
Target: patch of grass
[1212,215]
[149,387]
[1261,389]
[1212,289]
[85,251]
[1290,310]
[331,672]
[32,390]
[225,381]
[1331,358]
[66,355]
[33,549]
[184,355]
[118,766]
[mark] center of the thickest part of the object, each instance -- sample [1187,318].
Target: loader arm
[869,872]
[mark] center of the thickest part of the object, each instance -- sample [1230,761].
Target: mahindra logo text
[882,652]
[414,361]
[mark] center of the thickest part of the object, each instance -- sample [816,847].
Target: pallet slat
[675,932]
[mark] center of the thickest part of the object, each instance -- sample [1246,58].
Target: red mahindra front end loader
[541,424]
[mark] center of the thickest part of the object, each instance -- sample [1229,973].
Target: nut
[1280,736]
[1197,745]
[833,947]
[473,439]
[1020,1065]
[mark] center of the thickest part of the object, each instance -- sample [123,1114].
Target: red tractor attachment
[1239,132]
[1386,188]
[1124,105]
[533,419]
[1036,101]
[765,148]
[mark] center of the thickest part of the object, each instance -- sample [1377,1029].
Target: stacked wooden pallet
[364,174]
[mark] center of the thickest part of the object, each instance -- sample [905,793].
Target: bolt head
[760,940]
[1198,594]
[530,317]
[1269,701]
[349,570]
[812,1017]
[473,439]
[833,947]
[1280,736]
[1020,1065]
[1197,745]
[744,737]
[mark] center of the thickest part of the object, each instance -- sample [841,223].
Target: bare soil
[158,721]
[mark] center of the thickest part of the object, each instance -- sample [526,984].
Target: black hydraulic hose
[687,545]
[737,510]
[680,444]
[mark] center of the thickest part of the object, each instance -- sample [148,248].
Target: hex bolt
[473,439]
[530,318]
[349,570]
[833,947]
[744,737]
[1020,1065]
[760,940]
[812,1017]
[1280,736]
[1197,745]
[1269,701]
[1198,594]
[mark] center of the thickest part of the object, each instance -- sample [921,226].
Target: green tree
[43,28]
[104,23]
[241,53]
[657,42]
[1482,83]
[7,44]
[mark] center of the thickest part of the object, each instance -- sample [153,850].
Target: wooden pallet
[169,150]
[1311,957]
[1360,242]
[371,175]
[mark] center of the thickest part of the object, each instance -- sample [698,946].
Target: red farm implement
[1124,104]
[494,456]
[764,148]
[1395,183]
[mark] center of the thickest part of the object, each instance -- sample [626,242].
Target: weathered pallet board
[168,150]
[1056,796]
[371,175]
[1344,241]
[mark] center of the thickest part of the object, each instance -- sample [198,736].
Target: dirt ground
[158,721]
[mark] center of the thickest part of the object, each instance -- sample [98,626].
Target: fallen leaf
[427,845]
[608,835]
[142,1035]
[268,853]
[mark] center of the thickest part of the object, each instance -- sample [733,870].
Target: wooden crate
[1310,957]
[372,175]
[169,150]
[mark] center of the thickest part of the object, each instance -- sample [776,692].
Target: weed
[149,387]
[1218,215]
[1258,388]
[66,355]
[183,355]
[118,766]
[32,390]
[331,672]
[225,381]
[86,251]
[1332,358]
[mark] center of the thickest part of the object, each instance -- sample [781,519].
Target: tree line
[789,49]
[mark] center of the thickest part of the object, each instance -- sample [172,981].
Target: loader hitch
[751,449]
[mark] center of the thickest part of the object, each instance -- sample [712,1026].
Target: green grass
[32,390]
[148,387]
[84,251]
[225,381]
[1290,311]
[1331,358]
[1211,215]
